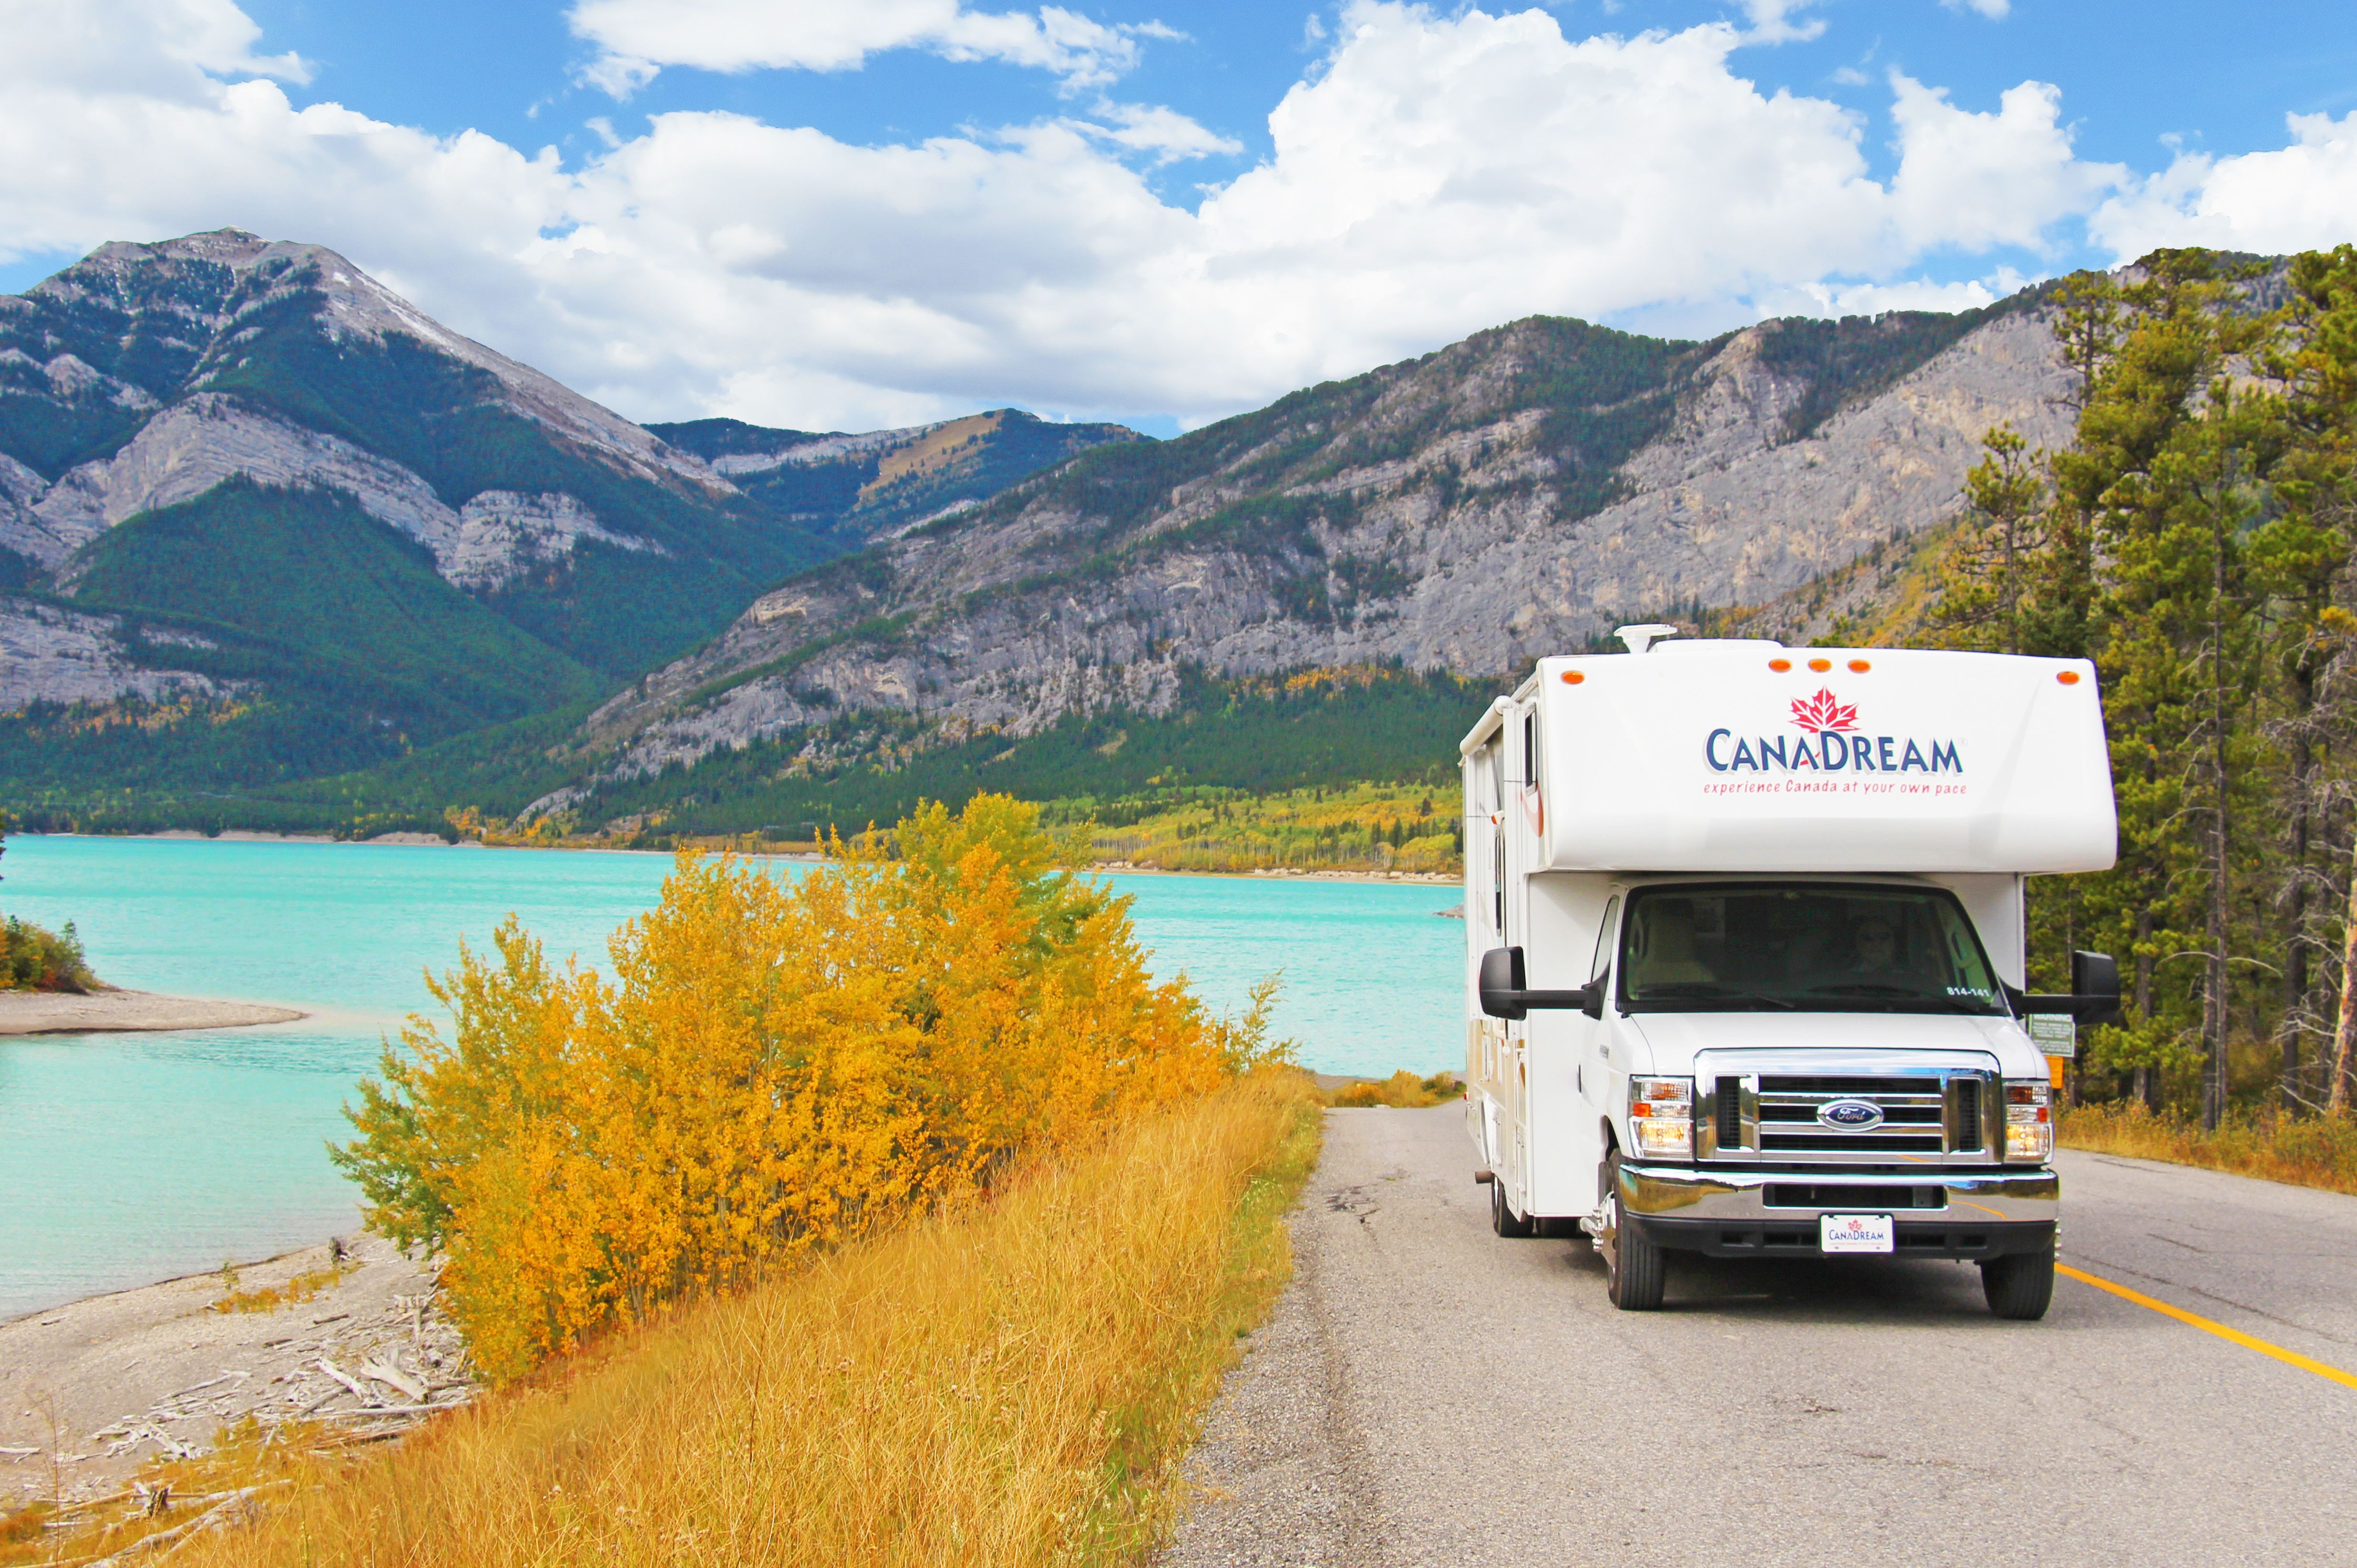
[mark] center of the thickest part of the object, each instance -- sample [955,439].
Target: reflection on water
[126,1158]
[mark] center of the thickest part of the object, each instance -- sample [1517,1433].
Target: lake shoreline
[132,1374]
[117,1012]
[1102,868]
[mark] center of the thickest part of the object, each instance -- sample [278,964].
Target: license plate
[1854,1232]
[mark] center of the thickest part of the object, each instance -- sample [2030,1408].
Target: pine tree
[1986,574]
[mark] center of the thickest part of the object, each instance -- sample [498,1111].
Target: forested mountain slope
[261,519]
[1517,493]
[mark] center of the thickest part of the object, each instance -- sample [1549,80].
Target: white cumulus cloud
[1432,176]
[1169,135]
[1976,180]
[1775,22]
[2300,197]
[636,38]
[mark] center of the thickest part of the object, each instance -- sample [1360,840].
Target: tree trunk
[2214,1017]
[2345,1036]
[2296,981]
[2147,1077]
[2216,1002]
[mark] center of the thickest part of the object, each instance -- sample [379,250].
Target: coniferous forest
[2195,539]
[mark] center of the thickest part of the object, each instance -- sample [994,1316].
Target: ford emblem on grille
[1850,1115]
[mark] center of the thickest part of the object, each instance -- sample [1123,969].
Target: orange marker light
[1573,677]
[2067,677]
[1780,665]
[1859,666]
[1821,665]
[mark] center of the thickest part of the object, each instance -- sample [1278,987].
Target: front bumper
[1751,1214]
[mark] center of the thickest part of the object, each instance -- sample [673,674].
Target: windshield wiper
[1705,991]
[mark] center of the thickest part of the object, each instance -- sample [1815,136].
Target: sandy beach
[114,1011]
[101,1386]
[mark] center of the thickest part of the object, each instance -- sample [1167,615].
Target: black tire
[2020,1287]
[1501,1215]
[1634,1267]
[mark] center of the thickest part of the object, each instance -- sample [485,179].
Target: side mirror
[2096,981]
[1502,984]
[1504,994]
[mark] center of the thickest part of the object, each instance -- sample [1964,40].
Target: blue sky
[1449,169]
[2132,75]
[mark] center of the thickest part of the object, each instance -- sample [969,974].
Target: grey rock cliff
[1473,547]
[53,655]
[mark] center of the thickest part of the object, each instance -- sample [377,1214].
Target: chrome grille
[1763,1107]
[1914,1119]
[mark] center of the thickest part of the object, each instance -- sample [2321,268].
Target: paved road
[1428,1393]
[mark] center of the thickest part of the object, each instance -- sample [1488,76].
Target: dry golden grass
[235,1480]
[1016,1384]
[302,1287]
[2308,1151]
[1403,1091]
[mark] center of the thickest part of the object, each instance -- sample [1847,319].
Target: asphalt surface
[1426,1393]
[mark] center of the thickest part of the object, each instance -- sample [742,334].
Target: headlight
[1661,1115]
[2028,1121]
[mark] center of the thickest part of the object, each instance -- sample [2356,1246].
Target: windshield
[1821,948]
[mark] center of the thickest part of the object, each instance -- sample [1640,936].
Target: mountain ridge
[262,381]
[993,596]
[1507,496]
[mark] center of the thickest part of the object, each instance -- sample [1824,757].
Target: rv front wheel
[2020,1286]
[1501,1215]
[1633,1266]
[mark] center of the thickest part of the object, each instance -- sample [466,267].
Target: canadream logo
[1830,742]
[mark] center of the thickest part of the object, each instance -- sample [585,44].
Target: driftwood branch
[170,1540]
[392,1377]
[358,1388]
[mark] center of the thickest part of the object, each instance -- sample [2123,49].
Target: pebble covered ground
[91,1392]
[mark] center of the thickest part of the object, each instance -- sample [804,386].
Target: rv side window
[1603,959]
[1497,756]
[1498,882]
[1531,749]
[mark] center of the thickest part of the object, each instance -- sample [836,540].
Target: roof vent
[1641,638]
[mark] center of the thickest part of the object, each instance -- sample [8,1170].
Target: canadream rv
[1745,952]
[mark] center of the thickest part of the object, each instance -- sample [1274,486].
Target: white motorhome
[1744,951]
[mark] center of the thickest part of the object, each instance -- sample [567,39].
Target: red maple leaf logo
[1823,712]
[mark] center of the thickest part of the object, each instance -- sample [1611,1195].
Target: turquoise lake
[129,1158]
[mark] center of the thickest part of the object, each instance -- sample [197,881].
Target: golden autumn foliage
[1403,1091]
[774,1066]
[2303,1151]
[1009,1384]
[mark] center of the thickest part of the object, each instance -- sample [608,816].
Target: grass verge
[1403,1091]
[1016,1384]
[2308,1151]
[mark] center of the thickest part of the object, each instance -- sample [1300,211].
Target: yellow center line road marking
[2289,1358]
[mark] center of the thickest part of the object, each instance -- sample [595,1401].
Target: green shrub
[34,960]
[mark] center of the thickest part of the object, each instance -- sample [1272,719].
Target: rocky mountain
[243,482]
[1515,494]
[883,482]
